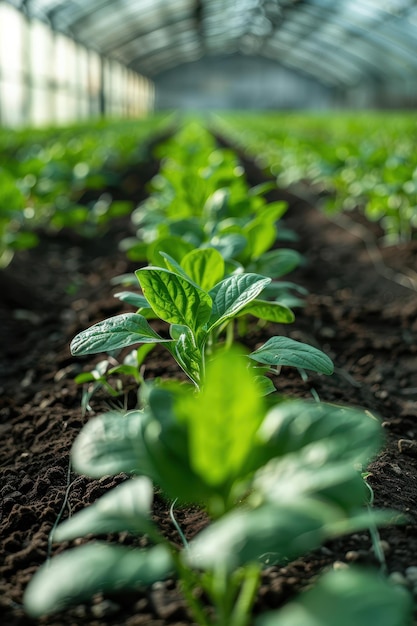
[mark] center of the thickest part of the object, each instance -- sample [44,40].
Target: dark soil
[361,310]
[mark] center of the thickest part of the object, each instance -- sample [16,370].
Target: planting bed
[361,310]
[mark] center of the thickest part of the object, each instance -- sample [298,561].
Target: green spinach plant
[198,304]
[275,484]
[244,239]
[14,217]
[45,172]
[200,198]
[347,159]
[108,372]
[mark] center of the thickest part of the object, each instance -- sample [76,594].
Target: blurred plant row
[365,161]
[358,160]
[275,476]
[46,173]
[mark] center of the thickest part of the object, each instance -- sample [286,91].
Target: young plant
[249,219]
[200,198]
[15,217]
[102,375]
[44,174]
[198,307]
[244,232]
[276,484]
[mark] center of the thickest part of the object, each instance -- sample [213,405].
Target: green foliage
[217,454]
[200,199]
[347,158]
[13,216]
[277,478]
[353,597]
[174,298]
[277,483]
[107,373]
[115,333]
[198,317]
[94,567]
[44,174]
[279,351]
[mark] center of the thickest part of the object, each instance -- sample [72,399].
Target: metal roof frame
[337,43]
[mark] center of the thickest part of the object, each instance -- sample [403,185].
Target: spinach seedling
[244,240]
[102,375]
[276,483]
[197,316]
[201,198]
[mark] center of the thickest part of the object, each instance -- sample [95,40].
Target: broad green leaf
[261,236]
[174,266]
[113,333]
[329,433]
[217,204]
[266,386]
[270,311]
[174,298]
[232,294]
[134,249]
[274,533]
[273,211]
[223,419]
[167,442]
[229,245]
[312,472]
[112,443]
[190,229]
[189,356]
[233,267]
[277,263]
[262,188]
[76,575]
[161,402]
[135,299]
[279,351]
[364,519]
[280,288]
[176,247]
[124,508]
[349,597]
[205,266]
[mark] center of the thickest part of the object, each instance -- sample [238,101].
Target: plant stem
[375,536]
[243,607]
[177,526]
[233,595]
[242,326]
[230,328]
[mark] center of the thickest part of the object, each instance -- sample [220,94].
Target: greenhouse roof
[338,42]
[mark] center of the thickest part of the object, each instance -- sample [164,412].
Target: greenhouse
[208,263]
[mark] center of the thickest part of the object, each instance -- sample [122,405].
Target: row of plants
[357,160]
[276,476]
[45,174]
